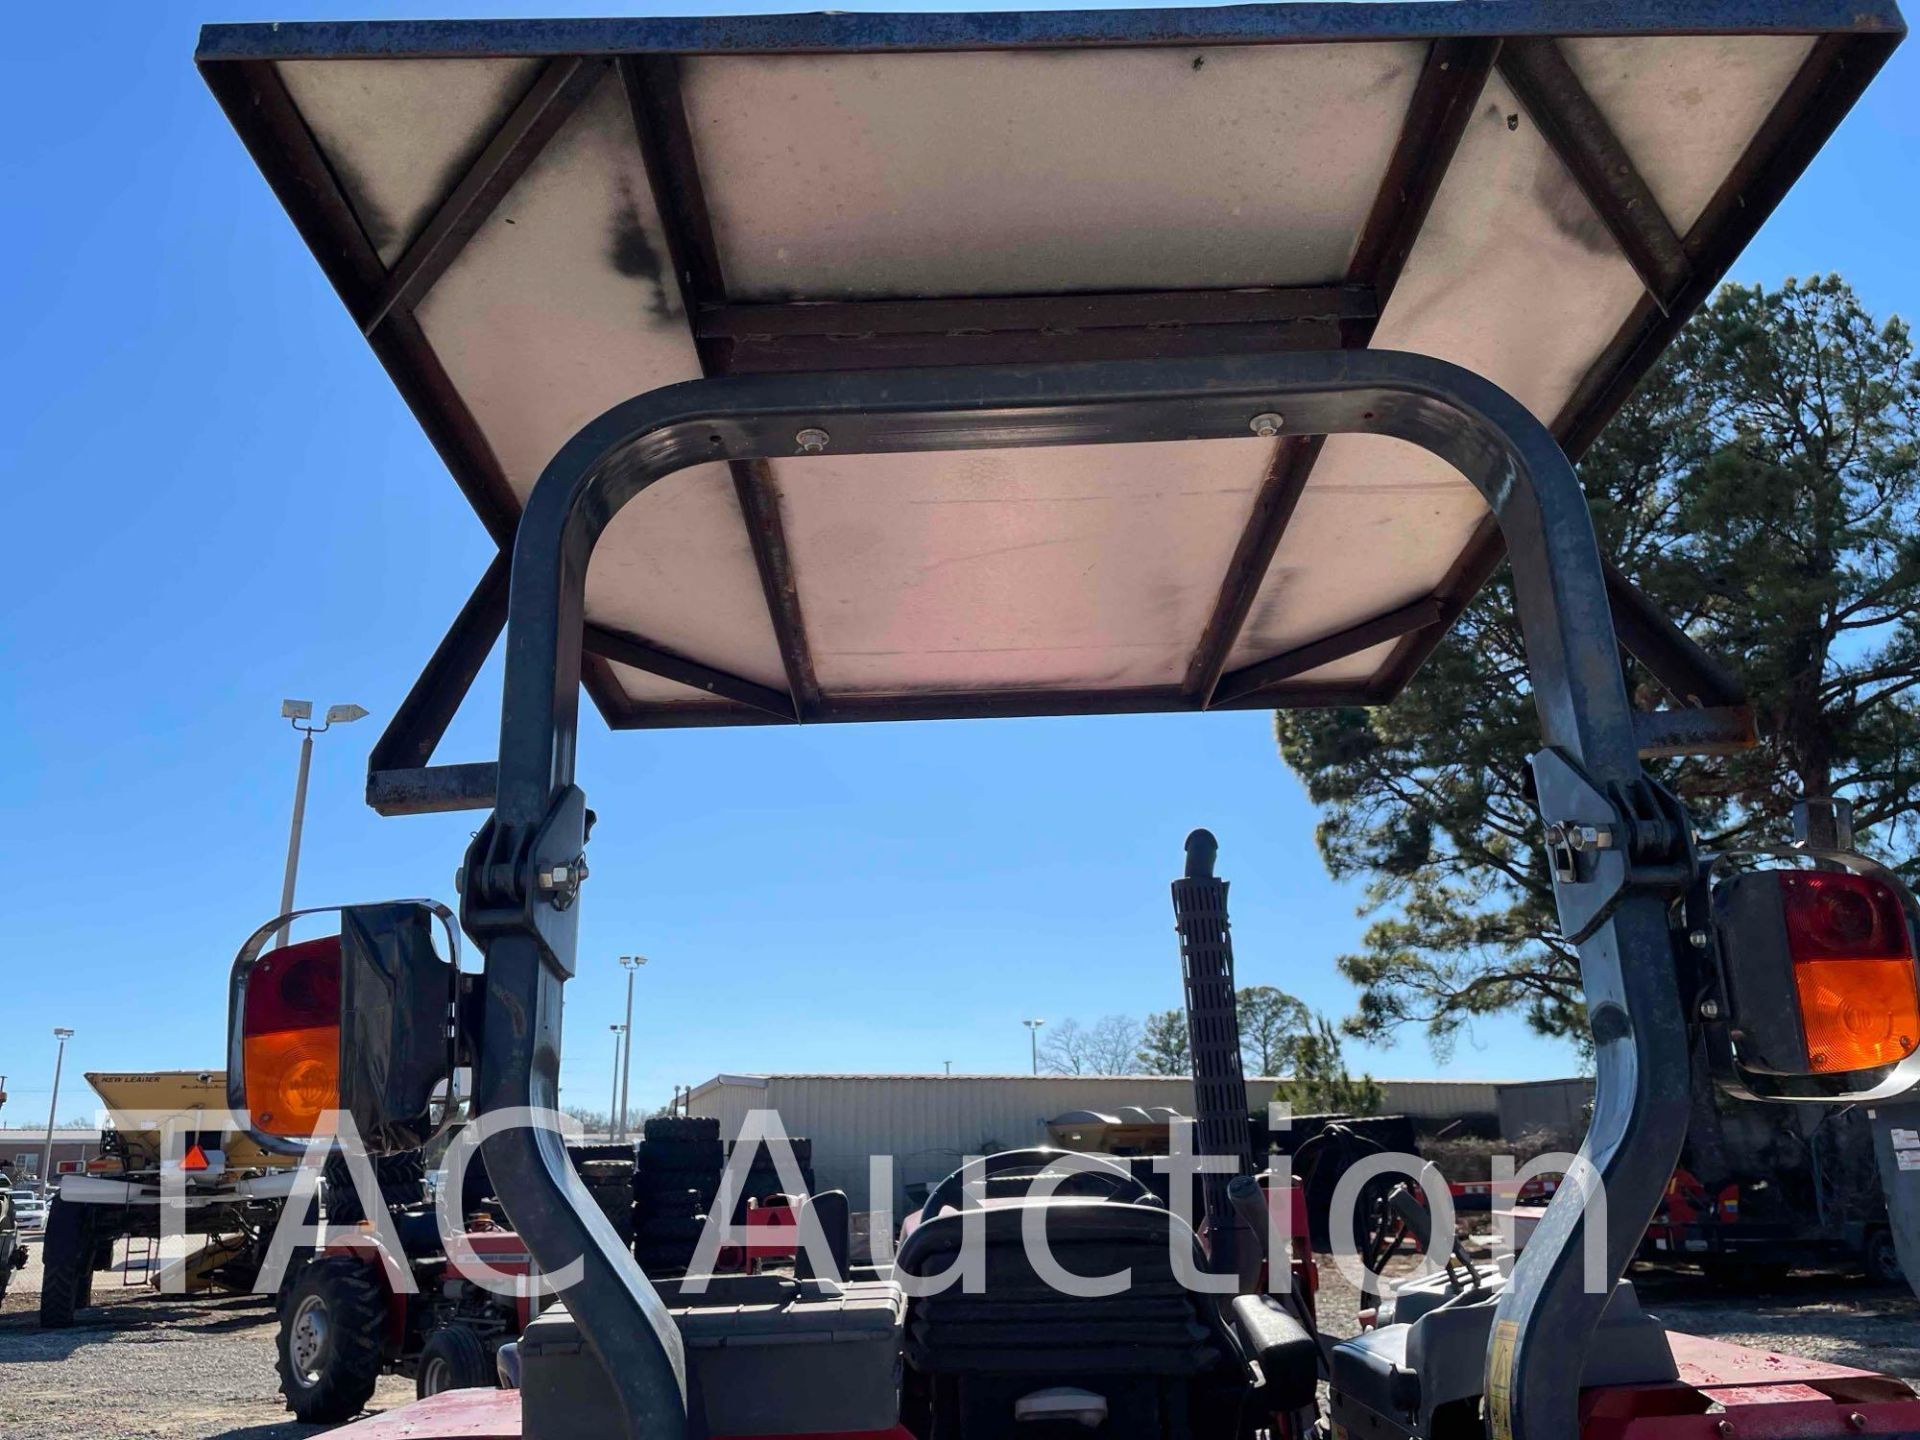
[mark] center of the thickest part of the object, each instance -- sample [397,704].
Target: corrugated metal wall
[929,1123]
[1558,1105]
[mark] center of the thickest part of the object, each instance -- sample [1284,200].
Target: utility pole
[614,1099]
[1033,1038]
[294,712]
[63,1035]
[631,964]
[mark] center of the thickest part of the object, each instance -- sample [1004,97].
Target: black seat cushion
[1020,1324]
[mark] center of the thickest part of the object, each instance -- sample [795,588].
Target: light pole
[617,1028]
[631,964]
[1033,1038]
[63,1035]
[294,712]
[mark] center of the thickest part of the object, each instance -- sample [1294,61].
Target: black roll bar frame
[525,867]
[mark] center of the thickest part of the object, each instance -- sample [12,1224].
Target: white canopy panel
[533,221]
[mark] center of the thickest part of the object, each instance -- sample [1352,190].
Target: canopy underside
[534,222]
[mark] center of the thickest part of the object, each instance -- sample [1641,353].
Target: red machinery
[344,1322]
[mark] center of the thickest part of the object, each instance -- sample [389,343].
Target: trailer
[1761,1190]
[169,1160]
[834,368]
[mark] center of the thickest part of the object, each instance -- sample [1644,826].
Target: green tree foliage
[1164,1047]
[1763,485]
[1320,1084]
[1272,1025]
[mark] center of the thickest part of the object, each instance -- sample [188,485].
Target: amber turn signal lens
[1854,970]
[293,1078]
[1858,1014]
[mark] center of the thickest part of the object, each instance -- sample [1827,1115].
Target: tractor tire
[673,1189]
[672,1231]
[66,1258]
[682,1127]
[616,1203]
[402,1179]
[1882,1259]
[645,1213]
[798,1146]
[682,1155]
[331,1328]
[677,1175]
[592,1170]
[453,1359]
[586,1154]
[663,1262]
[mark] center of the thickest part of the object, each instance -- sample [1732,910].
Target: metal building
[926,1124]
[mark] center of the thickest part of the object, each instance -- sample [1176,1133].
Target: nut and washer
[812,440]
[1267,424]
[561,883]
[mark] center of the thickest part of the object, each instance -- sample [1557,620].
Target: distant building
[21,1148]
[928,1123]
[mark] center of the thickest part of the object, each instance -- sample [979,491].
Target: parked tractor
[877,368]
[344,1322]
[13,1248]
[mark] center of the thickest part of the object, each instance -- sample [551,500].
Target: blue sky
[217,500]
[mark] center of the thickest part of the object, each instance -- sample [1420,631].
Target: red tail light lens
[290,1036]
[1853,968]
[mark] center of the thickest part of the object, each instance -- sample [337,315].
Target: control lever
[1419,1222]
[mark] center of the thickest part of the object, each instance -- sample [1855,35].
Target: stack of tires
[608,1173]
[677,1177]
[402,1179]
[763,1180]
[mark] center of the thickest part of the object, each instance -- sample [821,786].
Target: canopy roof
[532,221]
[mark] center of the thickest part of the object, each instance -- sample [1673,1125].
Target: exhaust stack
[1213,1030]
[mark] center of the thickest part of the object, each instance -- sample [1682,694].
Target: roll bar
[1621,847]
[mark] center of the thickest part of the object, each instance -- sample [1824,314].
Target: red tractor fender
[367,1249]
[495,1415]
[1761,1395]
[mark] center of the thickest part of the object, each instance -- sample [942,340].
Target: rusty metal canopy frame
[532,221]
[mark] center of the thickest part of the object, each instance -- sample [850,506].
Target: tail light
[359,1023]
[1853,968]
[1819,972]
[290,1037]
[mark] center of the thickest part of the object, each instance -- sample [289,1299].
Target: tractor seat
[1148,1360]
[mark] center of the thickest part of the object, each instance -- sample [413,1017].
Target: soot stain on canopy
[1572,214]
[631,252]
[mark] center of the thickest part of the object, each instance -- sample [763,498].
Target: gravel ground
[151,1367]
[143,1366]
[1833,1317]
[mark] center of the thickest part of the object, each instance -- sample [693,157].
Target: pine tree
[1763,485]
